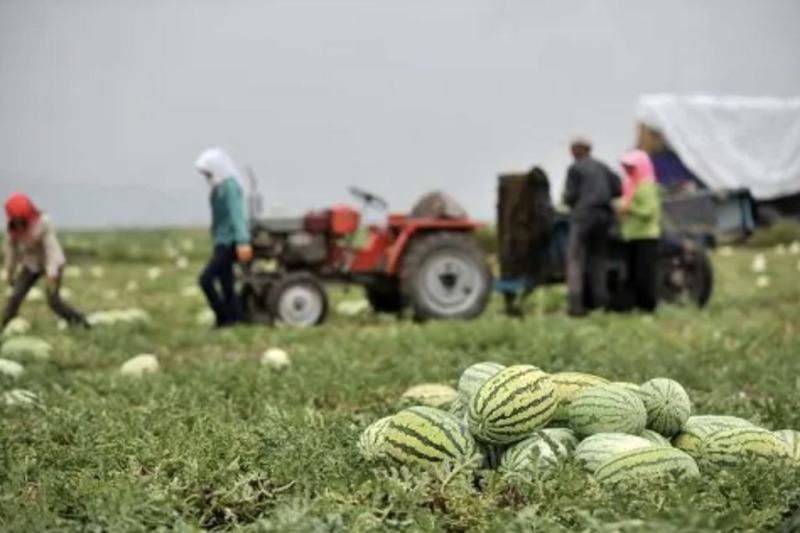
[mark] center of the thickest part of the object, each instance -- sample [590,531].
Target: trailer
[532,244]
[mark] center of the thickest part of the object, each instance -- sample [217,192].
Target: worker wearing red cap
[32,248]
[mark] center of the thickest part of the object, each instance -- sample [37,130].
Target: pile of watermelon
[525,422]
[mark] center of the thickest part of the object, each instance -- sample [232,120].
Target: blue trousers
[218,284]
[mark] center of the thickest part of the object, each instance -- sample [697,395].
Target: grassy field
[217,441]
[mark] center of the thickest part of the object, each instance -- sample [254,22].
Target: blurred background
[104,106]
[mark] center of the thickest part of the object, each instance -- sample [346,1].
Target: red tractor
[428,261]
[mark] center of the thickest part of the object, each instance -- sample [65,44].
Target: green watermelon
[609,408]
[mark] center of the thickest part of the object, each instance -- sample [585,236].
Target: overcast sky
[105,104]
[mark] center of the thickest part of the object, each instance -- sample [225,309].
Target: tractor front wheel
[298,299]
[253,300]
[445,275]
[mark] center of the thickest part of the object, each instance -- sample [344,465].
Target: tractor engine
[302,242]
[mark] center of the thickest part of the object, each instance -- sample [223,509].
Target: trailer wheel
[687,278]
[445,275]
[298,299]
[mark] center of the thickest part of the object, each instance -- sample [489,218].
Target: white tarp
[732,142]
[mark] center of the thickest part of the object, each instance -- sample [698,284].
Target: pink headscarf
[638,170]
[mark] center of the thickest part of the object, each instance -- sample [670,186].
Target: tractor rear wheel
[298,299]
[445,275]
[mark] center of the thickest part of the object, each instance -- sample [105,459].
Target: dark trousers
[587,254]
[643,277]
[219,271]
[24,283]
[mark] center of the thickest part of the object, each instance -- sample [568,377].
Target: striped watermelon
[731,447]
[475,376]
[430,394]
[534,455]
[633,387]
[792,439]
[608,408]
[425,436]
[668,406]
[370,444]
[646,465]
[511,405]
[563,436]
[599,448]
[458,408]
[568,385]
[656,438]
[697,428]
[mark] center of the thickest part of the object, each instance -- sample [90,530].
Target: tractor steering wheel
[368,198]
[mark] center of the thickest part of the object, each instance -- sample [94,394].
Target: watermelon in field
[276,359]
[656,438]
[696,428]
[737,446]
[24,347]
[599,448]
[431,394]
[511,405]
[427,436]
[139,366]
[646,465]
[17,326]
[370,444]
[458,408]
[563,436]
[568,385]
[10,368]
[633,387]
[792,439]
[474,377]
[609,408]
[533,456]
[668,405]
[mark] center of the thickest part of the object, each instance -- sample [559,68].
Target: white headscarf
[219,164]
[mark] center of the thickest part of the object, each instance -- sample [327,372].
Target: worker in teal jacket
[229,233]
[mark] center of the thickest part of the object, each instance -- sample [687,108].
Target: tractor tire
[445,275]
[384,298]
[298,299]
[703,282]
[690,278]
[253,301]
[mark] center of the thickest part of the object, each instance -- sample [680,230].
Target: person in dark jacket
[590,188]
[229,233]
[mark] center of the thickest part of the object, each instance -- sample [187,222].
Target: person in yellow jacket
[639,211]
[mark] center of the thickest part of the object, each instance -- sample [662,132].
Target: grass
[783,232]
[216,441]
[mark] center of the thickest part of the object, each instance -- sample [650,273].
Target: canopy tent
[730,142]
